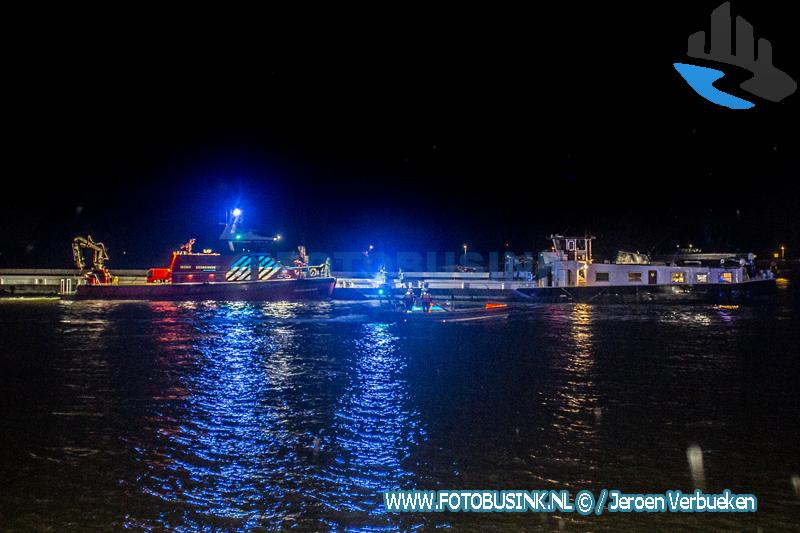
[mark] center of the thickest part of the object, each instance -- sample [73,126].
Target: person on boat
[408,300]
[751,265]
[426,302]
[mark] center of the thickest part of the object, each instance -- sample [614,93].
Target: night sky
[409,130]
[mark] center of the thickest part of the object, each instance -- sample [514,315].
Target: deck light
[237,212]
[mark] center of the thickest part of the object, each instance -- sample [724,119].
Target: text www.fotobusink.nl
[584,502]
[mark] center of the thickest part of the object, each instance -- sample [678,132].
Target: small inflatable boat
[441,313]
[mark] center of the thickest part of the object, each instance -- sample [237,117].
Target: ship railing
[312,271]
[66,286]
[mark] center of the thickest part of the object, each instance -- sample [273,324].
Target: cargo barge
[568,273]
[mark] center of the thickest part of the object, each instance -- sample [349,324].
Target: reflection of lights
[699,318]
[582,335]
[228,382]
[374,425]
[574,397]
[280,309]
[255,414]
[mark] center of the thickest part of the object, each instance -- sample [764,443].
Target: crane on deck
[98,274]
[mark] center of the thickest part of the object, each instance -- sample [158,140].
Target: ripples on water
[236,416]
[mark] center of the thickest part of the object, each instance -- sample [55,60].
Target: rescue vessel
[253,275]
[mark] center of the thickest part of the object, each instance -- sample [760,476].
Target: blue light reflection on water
[375,428]
[256,431]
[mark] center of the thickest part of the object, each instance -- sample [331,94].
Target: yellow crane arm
[99,253]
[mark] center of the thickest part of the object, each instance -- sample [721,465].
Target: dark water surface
[200,416]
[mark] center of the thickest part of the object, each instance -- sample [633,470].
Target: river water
[188,416]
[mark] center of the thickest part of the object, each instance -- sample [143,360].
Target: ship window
[679,277]
[601,276]
[726,277]
[701,277]
[634,277]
